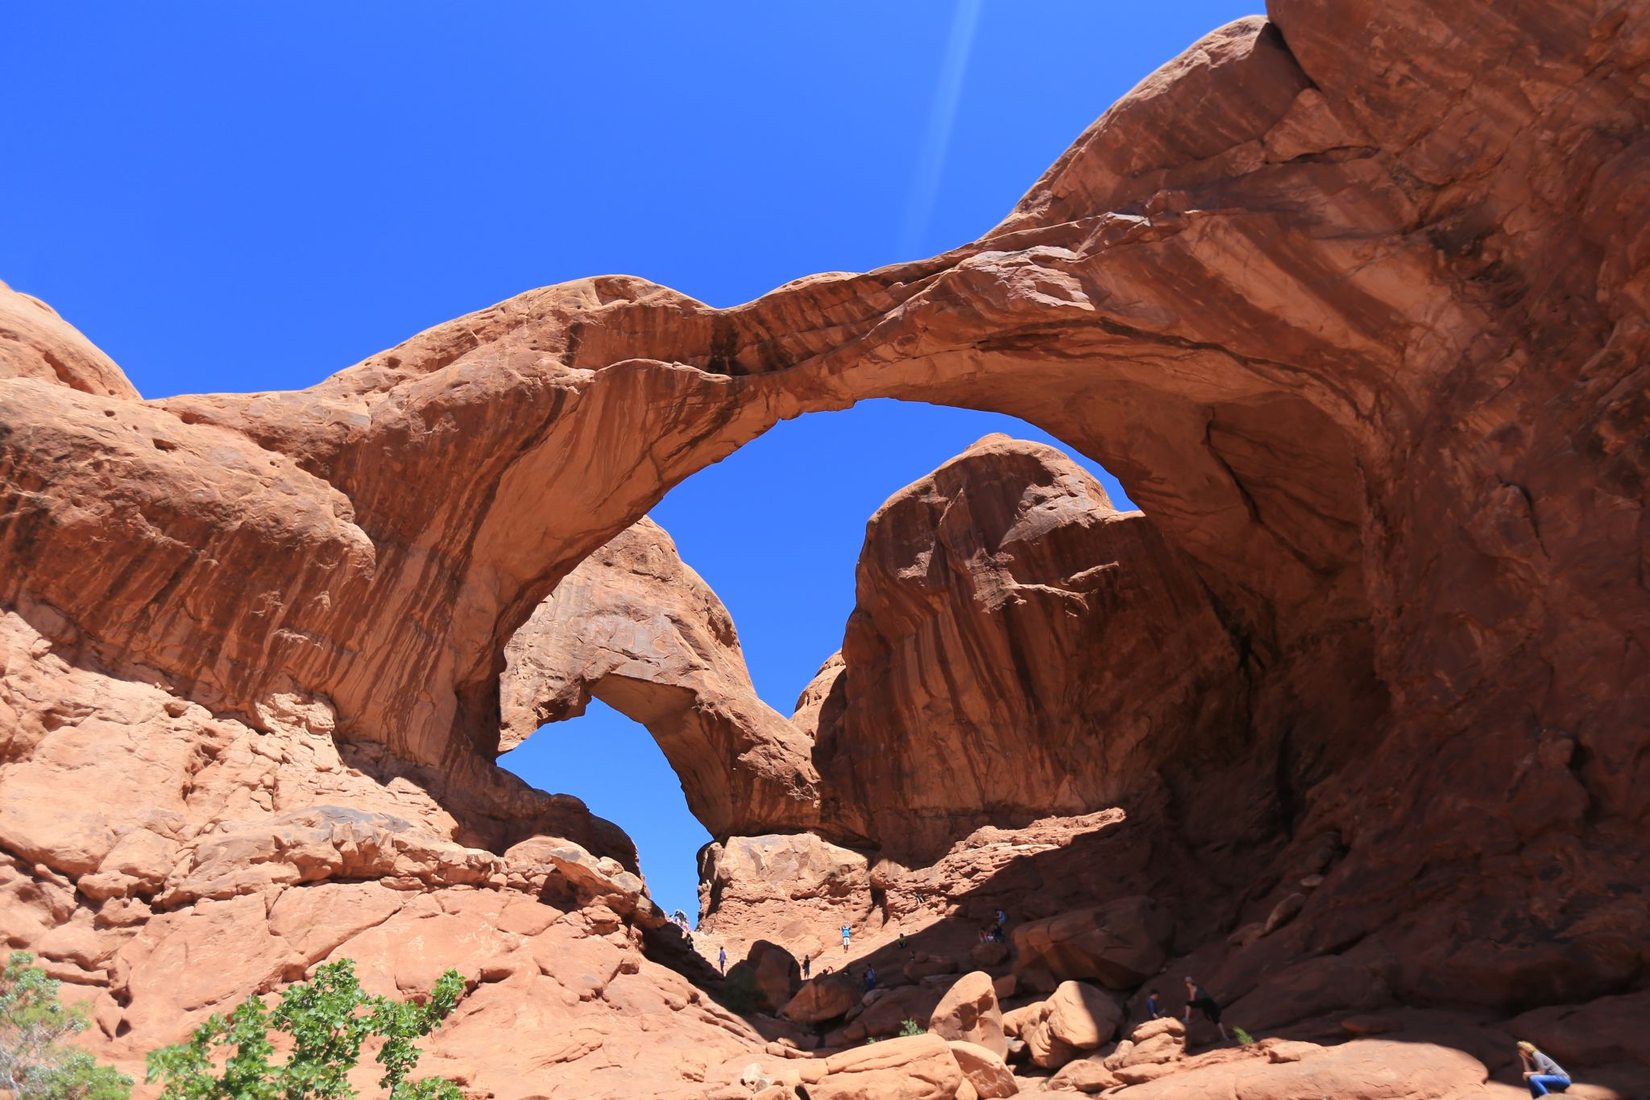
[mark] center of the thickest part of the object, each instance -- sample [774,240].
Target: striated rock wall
[1019,648]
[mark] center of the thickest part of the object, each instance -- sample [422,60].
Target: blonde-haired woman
[1541,1073]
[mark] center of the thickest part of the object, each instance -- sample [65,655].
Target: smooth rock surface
[969,1013]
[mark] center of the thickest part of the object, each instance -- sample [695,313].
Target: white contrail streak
[925,188]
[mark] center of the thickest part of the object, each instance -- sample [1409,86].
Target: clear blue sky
[245,197]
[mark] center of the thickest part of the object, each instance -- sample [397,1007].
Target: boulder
[985,1070]
[1159,1040]
[917,1067]
[1084,1075]
[1611,1029]
[1369,1069]
[988,954]
[1119,945]
[886,1015]
[822,999]
[1081,1016]
[1075,1019]
[772,971]
[929,966]
[969,1013]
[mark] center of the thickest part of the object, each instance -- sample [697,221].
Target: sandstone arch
[1362,331]
[636,628]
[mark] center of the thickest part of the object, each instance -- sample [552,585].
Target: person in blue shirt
[847,934]
[870,978]
[1541,1073]
[1154,1007]
[722,960]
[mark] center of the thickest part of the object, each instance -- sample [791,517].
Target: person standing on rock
[870,978]
[807,961]
[1154,1007]
[722,961]
[847,934]
[1541,1073]
[1197,997]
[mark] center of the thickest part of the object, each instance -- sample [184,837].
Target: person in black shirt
[1197,997]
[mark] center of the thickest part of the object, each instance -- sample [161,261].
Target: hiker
[1002,919]
[1154,1007]
[807,961]
[1197,997]
[1541,1073]
[847,934]
[722,961]
[902,939]
[870,978]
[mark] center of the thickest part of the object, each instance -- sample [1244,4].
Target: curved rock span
[1353,299]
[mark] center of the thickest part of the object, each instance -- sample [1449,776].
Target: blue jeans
[1543,1083]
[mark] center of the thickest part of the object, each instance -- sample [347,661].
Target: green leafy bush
[1243,1037]
[328,1018]
[33,1064]
[909,1026]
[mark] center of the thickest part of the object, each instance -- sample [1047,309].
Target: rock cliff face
[1019,649]
[1353,300]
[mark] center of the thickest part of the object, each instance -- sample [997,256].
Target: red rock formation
[1353,301]
[1019,648]
[36,343]
[638,629]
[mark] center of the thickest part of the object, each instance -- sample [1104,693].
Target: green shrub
[328,1018]
[33,1065]
[1243,1037]
[909,1026]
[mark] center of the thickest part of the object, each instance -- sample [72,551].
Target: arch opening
[613,764]
[1046,666]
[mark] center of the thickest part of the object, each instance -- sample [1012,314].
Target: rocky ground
[1349,723]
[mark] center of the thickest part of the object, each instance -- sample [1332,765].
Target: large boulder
[1611,1029]
[916,1067]
[969,1012]
[1369,1069]
[1119,944]
[886,1014]
[819,886]
[1082,1016]
[1077,1018]
[1084,1075]
[771,970]
[985,1070]
[822,999]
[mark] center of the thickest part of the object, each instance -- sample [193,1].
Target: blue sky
[247,197]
